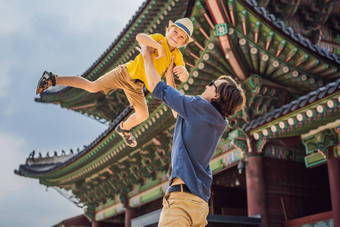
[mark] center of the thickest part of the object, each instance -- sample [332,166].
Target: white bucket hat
[184,24]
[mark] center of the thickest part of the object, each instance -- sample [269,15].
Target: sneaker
[46,80]
[126,135]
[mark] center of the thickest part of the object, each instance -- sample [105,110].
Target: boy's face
[176,37]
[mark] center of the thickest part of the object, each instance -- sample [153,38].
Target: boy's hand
[181,72]
[160,50]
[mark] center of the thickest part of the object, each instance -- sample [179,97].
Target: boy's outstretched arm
[145,39]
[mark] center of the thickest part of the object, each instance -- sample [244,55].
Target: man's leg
[183,209]
[173,214]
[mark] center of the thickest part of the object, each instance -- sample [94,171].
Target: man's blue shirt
[198,130]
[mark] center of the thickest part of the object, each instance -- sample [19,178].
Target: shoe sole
[123,137]
[41,78]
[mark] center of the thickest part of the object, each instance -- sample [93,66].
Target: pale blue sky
[65,37]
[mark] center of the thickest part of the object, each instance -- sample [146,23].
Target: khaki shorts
[182,209]
[119,78]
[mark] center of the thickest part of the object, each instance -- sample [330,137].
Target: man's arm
[169,76]
[173,98]
[145,39]
[152,75]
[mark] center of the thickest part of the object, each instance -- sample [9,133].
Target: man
[201,121]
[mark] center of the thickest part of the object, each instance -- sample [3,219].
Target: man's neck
[204,97]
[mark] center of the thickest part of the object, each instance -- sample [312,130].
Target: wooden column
[95,224]
[130,213]
[256,194]
[333,165]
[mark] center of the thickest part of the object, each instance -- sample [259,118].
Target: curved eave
[103,141]
[307,113]
[35,170]
[261,44]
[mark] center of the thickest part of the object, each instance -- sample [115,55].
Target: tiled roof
[294,105]
[290,32]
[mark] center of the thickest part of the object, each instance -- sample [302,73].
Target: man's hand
[151,73]
[181,72]
[145,51]
[145,39]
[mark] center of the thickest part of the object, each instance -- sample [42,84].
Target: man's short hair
[231,97]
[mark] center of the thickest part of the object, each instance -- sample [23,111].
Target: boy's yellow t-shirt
[136,67]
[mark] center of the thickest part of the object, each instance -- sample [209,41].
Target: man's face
[211,90]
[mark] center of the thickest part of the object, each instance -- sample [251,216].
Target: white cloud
[5,67]
[13,18]
[90,14]
[9,109]
[11,151]
[25,197]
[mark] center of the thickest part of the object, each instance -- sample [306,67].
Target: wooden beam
[217,15]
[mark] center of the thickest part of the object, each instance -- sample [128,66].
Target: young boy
[131,76]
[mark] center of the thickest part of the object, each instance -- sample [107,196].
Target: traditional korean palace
[278,162]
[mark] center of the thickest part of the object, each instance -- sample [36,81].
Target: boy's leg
[136,118]
[123,129]
[134,94]
[78,82]
[49,79]
[137,101]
